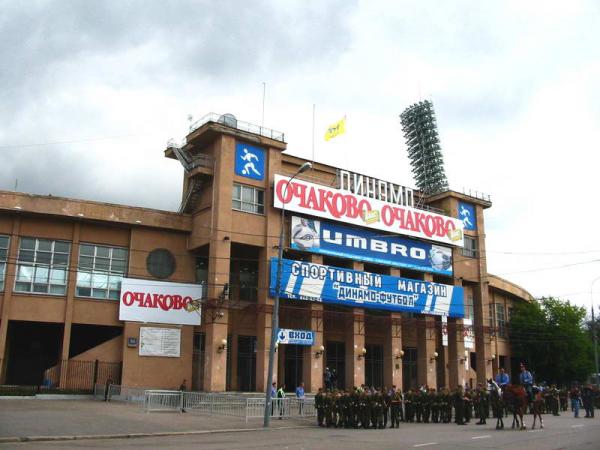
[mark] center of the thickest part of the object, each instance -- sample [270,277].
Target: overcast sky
[91,92]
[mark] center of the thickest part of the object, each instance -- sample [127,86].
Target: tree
[552,338]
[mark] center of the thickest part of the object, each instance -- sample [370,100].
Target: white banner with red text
[159,302]
[344,206]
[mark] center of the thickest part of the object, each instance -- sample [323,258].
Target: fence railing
[81,375]
[231,405]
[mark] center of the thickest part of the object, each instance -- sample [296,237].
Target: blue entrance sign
[334,285]
[297,337]
[327,238]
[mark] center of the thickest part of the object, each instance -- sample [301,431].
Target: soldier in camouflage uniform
[377,409]
[458,399]
[328,402]
[468,405]
[435,406]
[418,404]
[409,404]
[483,404]
[365,416]
[395,407]
[426,401]
[387,398]
[320,406]
[555,400]
[446,406]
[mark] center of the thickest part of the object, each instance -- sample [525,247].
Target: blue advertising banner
[249,161]
[337,286]
[466,213]
[297,337]
[328,238]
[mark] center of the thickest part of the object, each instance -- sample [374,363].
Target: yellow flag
[336,129]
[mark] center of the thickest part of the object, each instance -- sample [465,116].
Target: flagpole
[262,124]
[313,135]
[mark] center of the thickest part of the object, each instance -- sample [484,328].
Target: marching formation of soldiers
[364,407]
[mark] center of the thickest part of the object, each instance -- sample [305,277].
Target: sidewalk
[40,419]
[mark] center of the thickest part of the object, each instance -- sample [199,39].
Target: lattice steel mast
[420,131]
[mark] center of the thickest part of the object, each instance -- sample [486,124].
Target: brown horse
[537,407]
[515,398]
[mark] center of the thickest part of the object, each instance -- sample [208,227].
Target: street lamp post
[594,335]
[275,317]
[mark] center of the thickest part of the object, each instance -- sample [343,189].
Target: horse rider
[526,380]
[502,378]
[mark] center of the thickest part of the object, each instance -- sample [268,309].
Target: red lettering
[177,302]
[147,301]
[387,215]
[312,198]
[439,226]
[128,298]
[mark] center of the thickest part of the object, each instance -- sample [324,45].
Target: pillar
[482,332]
[312,364]
[66,341]
[264,317]
[426,346]
[215,315]
[456,350]
[355,342]
[9,282]
[392,357]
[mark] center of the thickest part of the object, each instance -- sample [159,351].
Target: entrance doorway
[293,366]
[198,362]
[409,368]
[246,363]
[33,347]
[335,353]
[374,366]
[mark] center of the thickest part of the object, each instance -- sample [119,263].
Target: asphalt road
[562,432]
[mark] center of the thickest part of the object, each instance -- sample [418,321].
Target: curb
[13,439]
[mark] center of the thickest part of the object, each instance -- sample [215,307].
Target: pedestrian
[588,401]
[280,399]
[273,397]
[182,389]
[300,397]
[109,382]
[575,395]
[334,379]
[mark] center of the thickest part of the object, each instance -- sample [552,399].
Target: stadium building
[378,283]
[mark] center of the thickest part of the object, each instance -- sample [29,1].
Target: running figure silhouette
[249,166]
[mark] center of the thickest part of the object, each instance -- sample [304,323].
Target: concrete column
[264,314]
[456,350]
[482,331]
[215,368]
[215,315]
[426,346]
[66,342]
[263,340]
[312,365]
[392,347]
[355,342]
[9,283]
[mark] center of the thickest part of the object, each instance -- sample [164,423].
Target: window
[100,271]
[43,266]
[500,320]
[491,319]
[3,258]
[470,248]
[248,199]
[161,263]
[469,309]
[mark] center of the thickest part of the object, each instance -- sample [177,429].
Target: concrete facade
[229,251]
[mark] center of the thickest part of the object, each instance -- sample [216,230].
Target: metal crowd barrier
[163,401]
[224,404]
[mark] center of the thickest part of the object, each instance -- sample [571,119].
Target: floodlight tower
[424,151]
